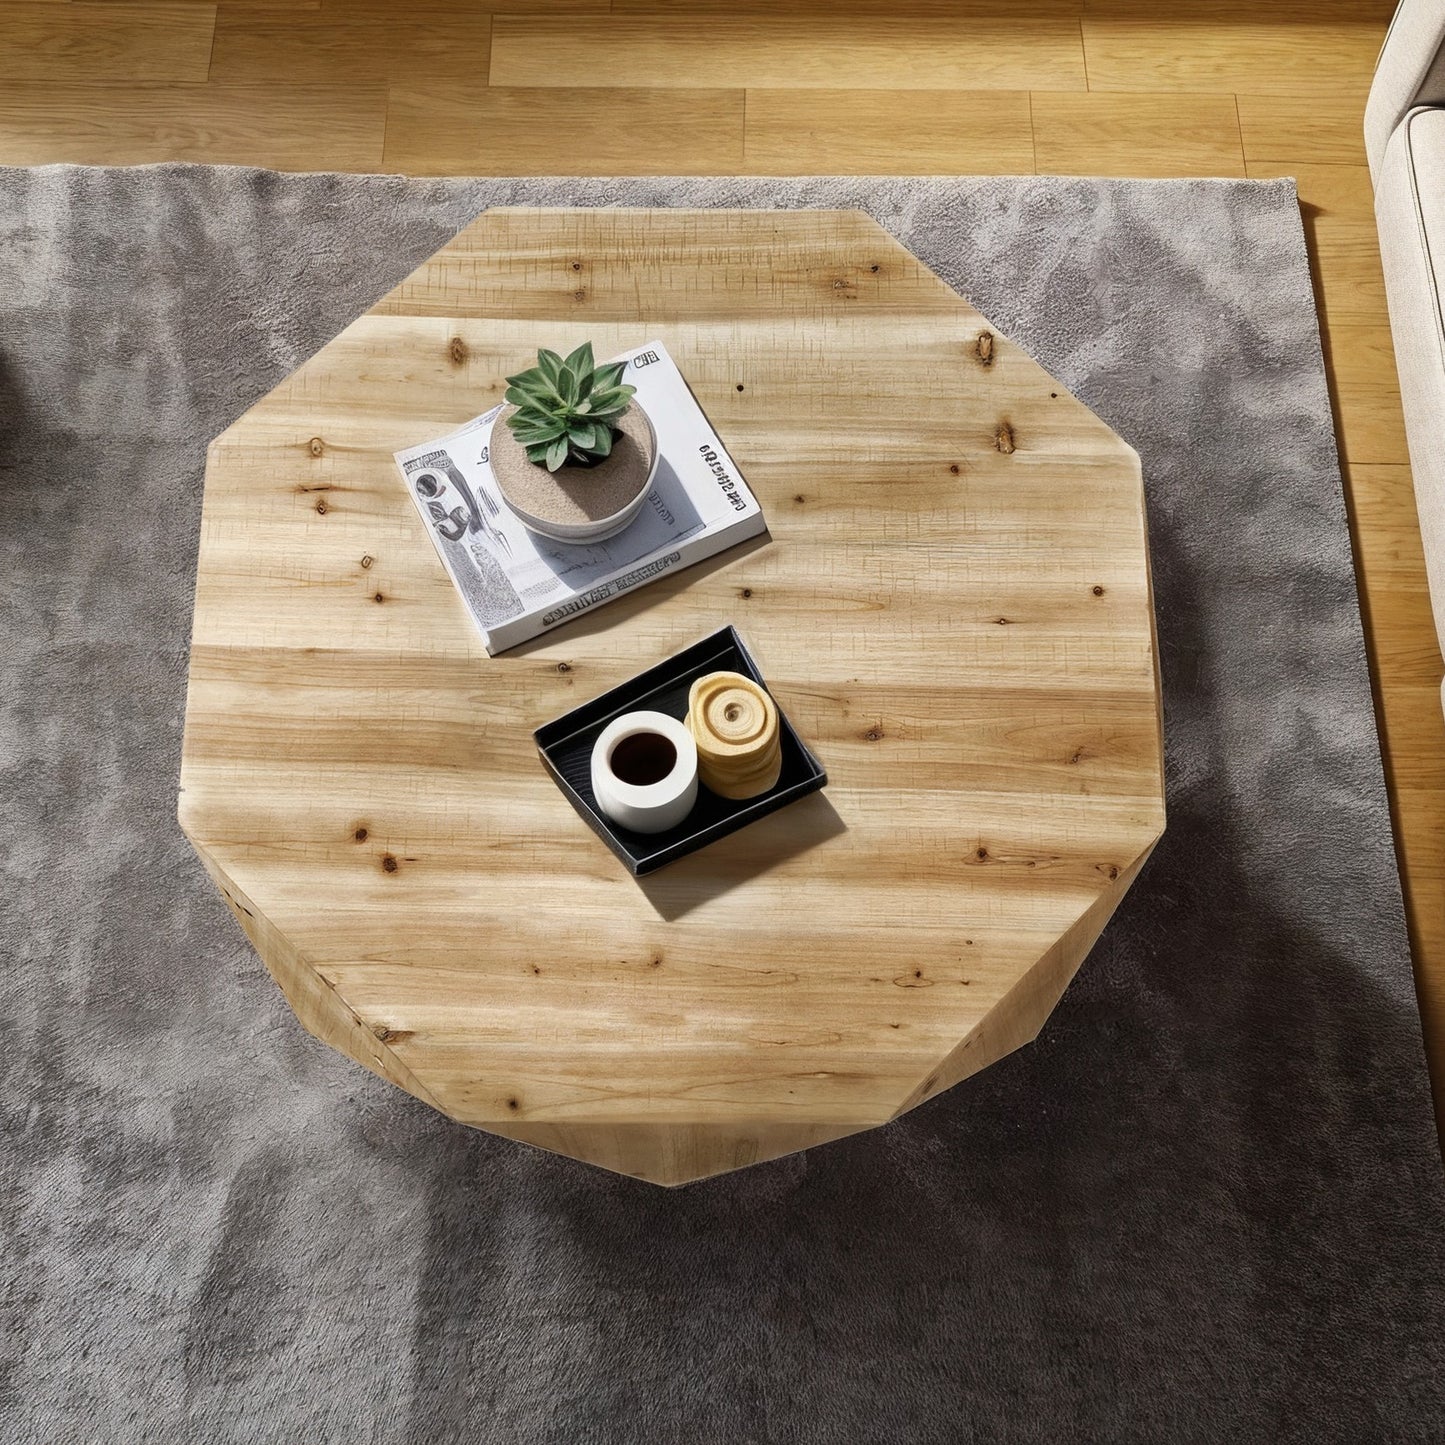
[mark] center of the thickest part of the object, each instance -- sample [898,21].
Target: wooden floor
[1102,87]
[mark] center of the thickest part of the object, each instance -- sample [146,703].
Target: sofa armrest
[1410,72]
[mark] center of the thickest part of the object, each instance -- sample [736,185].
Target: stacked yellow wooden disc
[735,725]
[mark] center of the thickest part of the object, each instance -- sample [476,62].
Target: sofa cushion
[1410,212]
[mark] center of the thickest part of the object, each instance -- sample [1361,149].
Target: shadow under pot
[578,503]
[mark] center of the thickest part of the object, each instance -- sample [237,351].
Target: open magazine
[517,584]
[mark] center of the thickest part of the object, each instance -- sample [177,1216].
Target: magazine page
[516,583]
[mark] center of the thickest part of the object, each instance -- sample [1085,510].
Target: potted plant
[577,455]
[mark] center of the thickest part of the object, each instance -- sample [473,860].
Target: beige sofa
[1405,138]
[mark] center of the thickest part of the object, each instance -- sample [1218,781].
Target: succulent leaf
[567,410]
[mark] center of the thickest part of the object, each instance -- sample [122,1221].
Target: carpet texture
[1205,1205]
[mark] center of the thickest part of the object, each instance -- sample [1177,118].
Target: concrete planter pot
[578,504]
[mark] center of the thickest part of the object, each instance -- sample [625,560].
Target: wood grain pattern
[1136,135]
[85,42]
[227,125]
[1257,55]
[430,51]
[922,11]
[900,132]
[503,131]
[1366,392]
[1293,130]
[369,9]
[1298,69]
[1291,18]
[974,660]
[781,52]
[120,8]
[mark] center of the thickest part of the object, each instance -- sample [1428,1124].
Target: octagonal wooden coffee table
[954,608]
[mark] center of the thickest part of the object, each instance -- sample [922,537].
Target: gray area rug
[1205,1205]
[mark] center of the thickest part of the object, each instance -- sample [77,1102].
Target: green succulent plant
[567,410]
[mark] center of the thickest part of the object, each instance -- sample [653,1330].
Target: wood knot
[379,597]
[457,350]
[385,1034]
[514,1104]
[799,498]
[1003,439]
[875,268]
[1098,591]
[580,294]
[564,667]
[322,508]
[367,560]
[873,735]
[315,446]
[746,592]
[388,863]
[953,467]
[983,348]
[981,854]
[740,386]
[576,265]
[360,835]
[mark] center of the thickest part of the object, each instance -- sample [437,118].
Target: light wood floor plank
[1281,14]
[781,52]
[285,127]
[1136,135]
[1361,363]
[1255,56]
[390,9]
[914,9]
[1400,623]
[432,50]
[1299,130]
[84,44]
[508,131]
[284,6]
[905,132]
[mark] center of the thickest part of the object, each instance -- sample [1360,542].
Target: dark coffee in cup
[643,759]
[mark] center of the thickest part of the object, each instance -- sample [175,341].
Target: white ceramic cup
[651,806]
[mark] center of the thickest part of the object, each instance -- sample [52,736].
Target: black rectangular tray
[566,747]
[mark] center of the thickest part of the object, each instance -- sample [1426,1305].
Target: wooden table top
[954,609]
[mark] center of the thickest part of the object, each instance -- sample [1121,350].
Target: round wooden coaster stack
[735,725]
